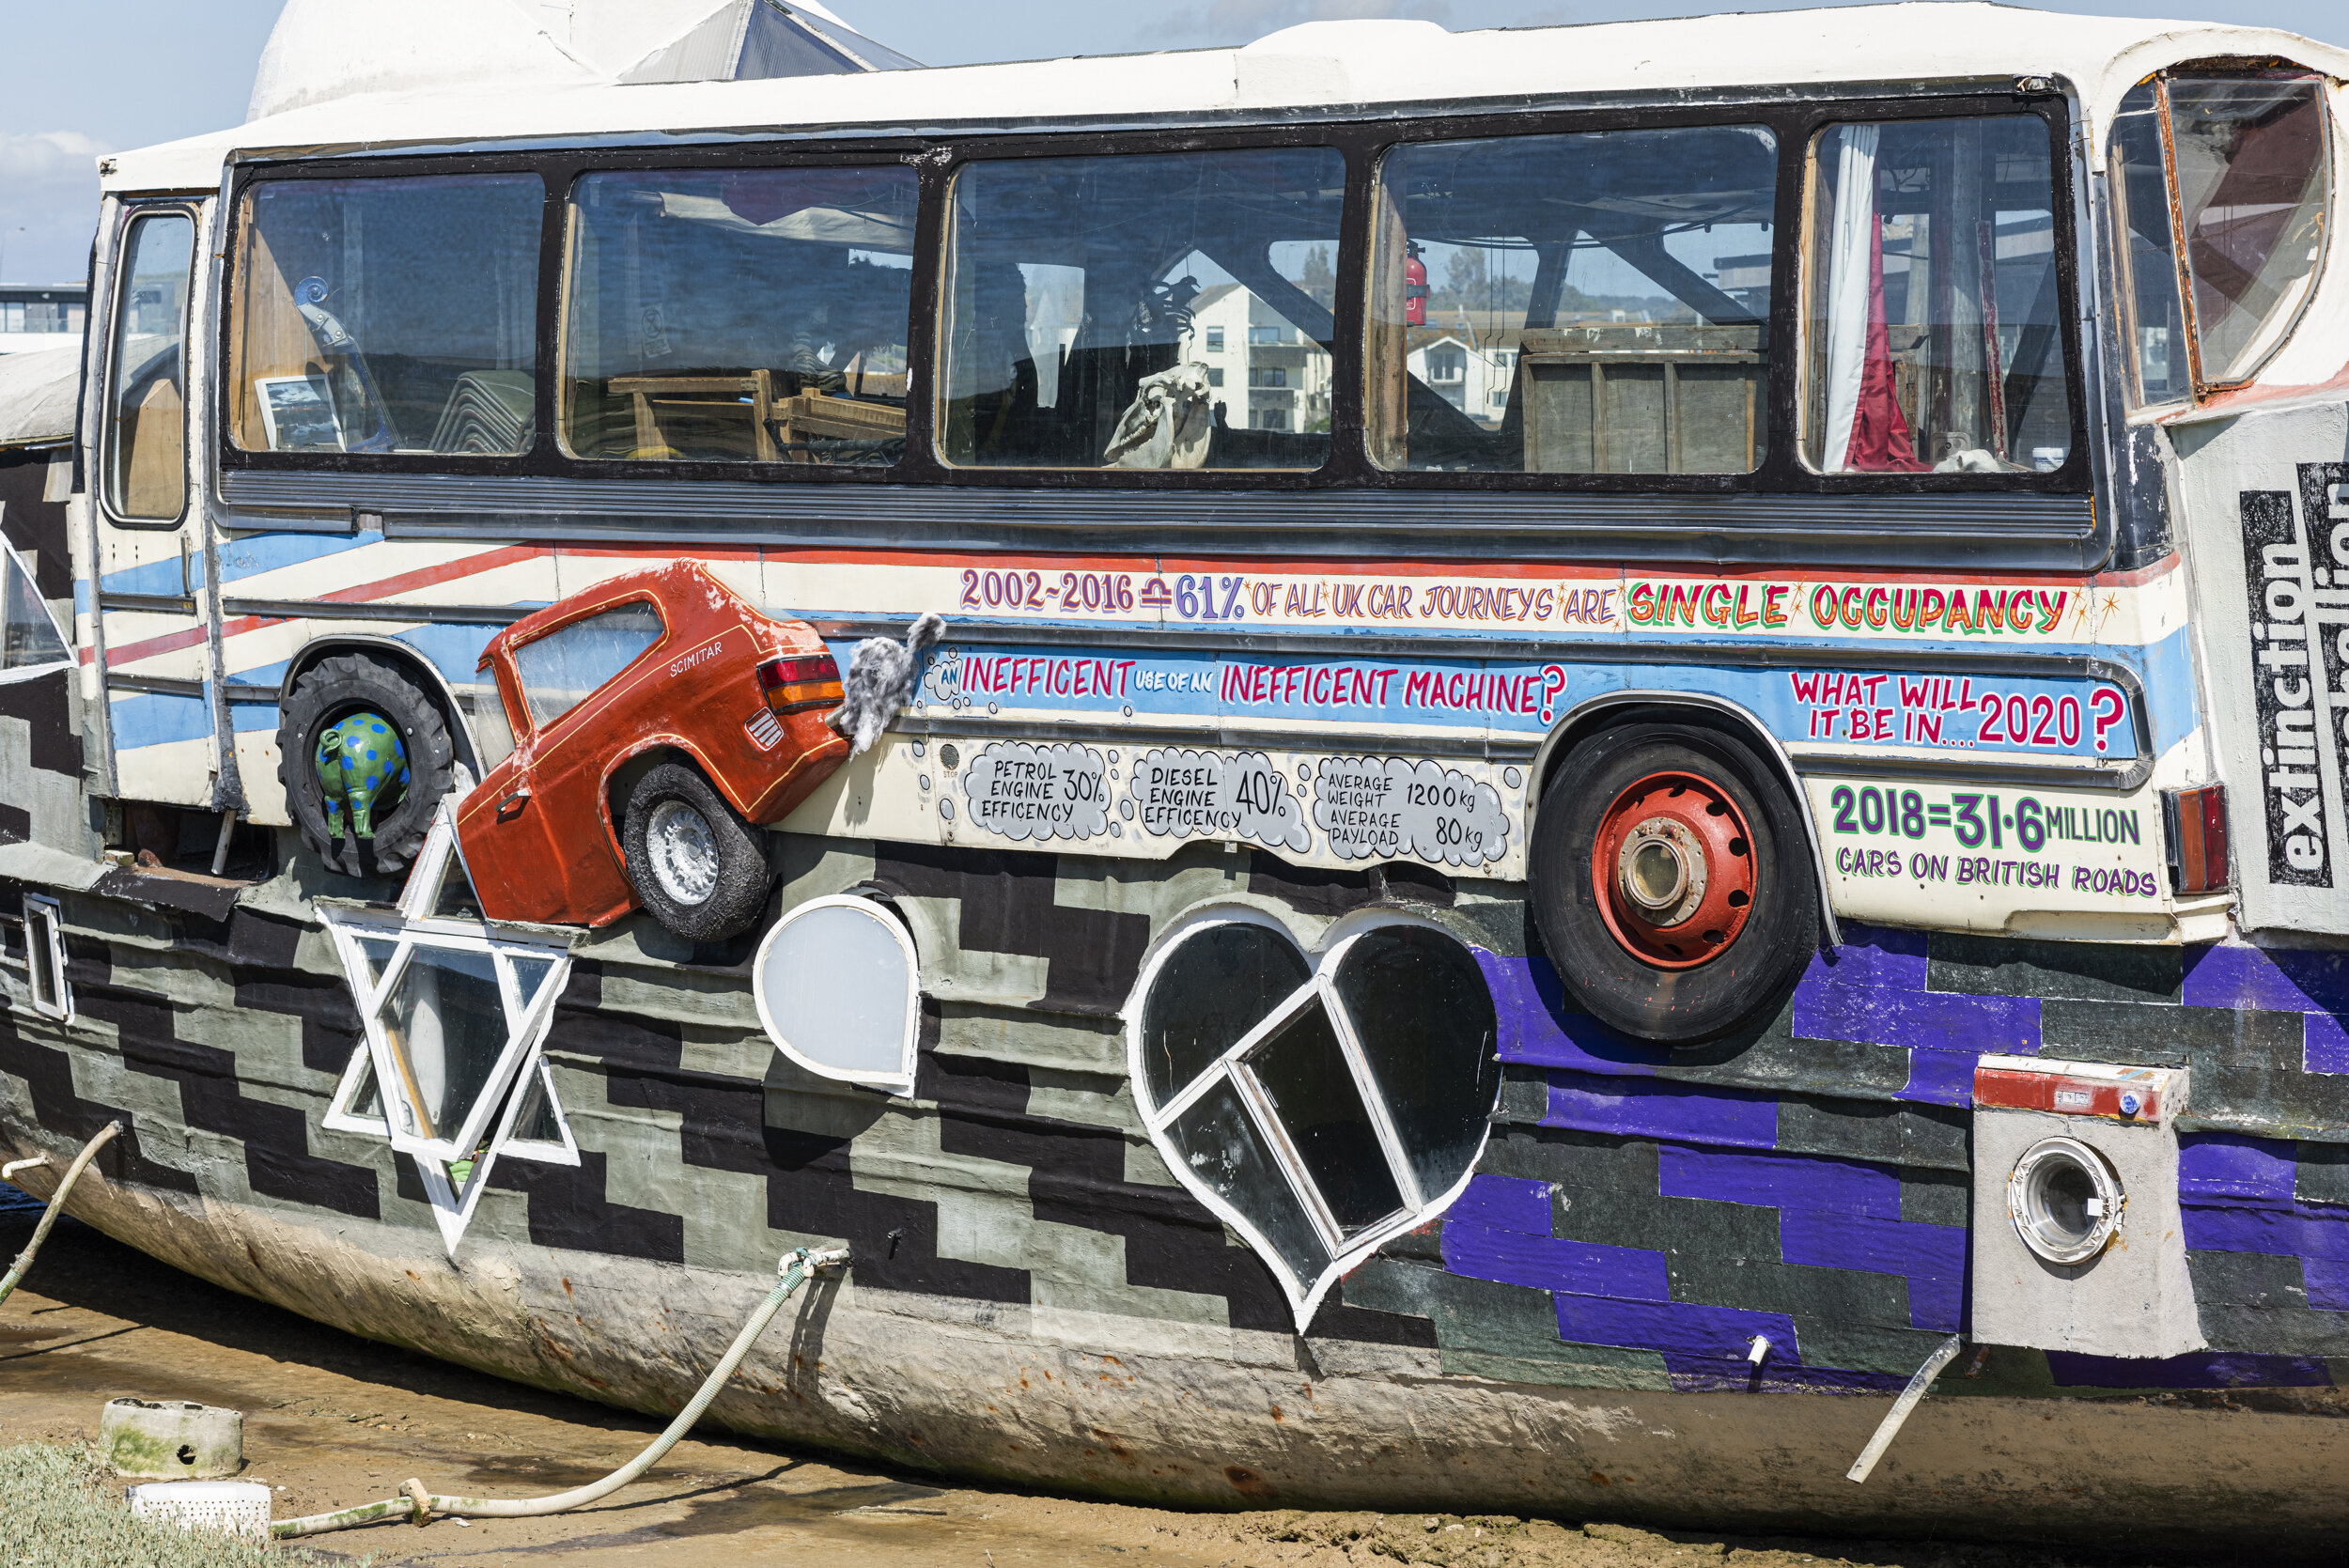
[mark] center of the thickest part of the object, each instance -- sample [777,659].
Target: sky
[175,68]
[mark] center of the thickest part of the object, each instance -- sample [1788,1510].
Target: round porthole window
[2065,1200]
[837,984]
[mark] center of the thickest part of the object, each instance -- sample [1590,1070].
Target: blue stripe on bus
[248,556]
[151,719]
[255,553]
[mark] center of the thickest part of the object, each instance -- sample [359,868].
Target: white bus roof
[1315,68]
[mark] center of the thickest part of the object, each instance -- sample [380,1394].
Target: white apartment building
[1266,375]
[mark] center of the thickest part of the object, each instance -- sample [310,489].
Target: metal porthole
[2065,1200]
[684,852]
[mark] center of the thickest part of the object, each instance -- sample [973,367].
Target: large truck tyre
[334,703]
[1671,880]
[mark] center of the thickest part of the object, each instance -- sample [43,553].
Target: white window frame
[99,395]
[1232,1068]
[44,922]
[529,1017]
[899,1082]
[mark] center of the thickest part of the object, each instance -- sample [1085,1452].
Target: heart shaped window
[1320,1104]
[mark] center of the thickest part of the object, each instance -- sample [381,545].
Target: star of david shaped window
[1320,1104]
[453,1013]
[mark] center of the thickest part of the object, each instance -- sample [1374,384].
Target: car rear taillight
[793,685]
[2197,821]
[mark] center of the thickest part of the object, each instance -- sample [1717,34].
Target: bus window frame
[1781,475]
[224,392]
[2075,475]
[1796,123]
[2204,387]
[1357,143]
[565,171]
[132,211]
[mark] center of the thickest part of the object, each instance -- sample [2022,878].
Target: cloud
[48,204]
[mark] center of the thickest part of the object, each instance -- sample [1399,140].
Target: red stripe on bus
[407,582]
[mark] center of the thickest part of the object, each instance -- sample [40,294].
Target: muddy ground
[331,1420]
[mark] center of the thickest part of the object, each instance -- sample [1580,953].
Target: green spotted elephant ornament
[359,762]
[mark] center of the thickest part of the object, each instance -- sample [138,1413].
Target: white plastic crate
[229,1507]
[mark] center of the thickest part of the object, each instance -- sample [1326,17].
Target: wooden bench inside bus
[1642,397]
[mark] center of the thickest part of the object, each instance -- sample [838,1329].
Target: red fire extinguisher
[1414,286]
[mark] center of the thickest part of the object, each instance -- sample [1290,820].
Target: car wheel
[1672,881]
[343,693]
[697,866]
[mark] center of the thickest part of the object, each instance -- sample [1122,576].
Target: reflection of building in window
[46,317]
[1286,373]
[1471,364]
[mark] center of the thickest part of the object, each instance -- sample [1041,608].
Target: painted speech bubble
[1384,808]
[1178,793]
[1028,792]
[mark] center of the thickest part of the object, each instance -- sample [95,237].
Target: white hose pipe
[1897,1417]
[56,1204]
[419,1505]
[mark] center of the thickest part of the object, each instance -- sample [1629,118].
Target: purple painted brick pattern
[1874,956]
[1716,1143]
[2282,980]
[2238,1197]
[2315,984]
[2216,1166]
[1539,1028]
[1779,1181]
[1931,1257]
[1553,1263]
[1503,1204]
[1674,1327]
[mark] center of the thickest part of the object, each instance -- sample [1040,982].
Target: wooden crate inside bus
[1642,397]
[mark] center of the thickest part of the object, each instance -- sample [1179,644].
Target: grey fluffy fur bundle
[880,677]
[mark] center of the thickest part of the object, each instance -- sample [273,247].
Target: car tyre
[699,867]
[1713,942]
[327,693]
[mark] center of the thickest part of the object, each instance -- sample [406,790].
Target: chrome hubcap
[683,851]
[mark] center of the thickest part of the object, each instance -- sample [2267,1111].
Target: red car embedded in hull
[657,717]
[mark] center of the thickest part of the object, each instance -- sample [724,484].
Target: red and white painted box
[2142,1095]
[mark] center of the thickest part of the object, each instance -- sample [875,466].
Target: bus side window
[2246,160]
[740,315]
[147,459]
[1147,310]
[1935,340]
[393,314]
[1588,303]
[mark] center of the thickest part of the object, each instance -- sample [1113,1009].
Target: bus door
[156,642]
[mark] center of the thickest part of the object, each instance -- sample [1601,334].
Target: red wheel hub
[1672,869]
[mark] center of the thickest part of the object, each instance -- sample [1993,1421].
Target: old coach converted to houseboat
[1630,721]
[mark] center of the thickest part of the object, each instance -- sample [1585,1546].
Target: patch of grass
[59,1510]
